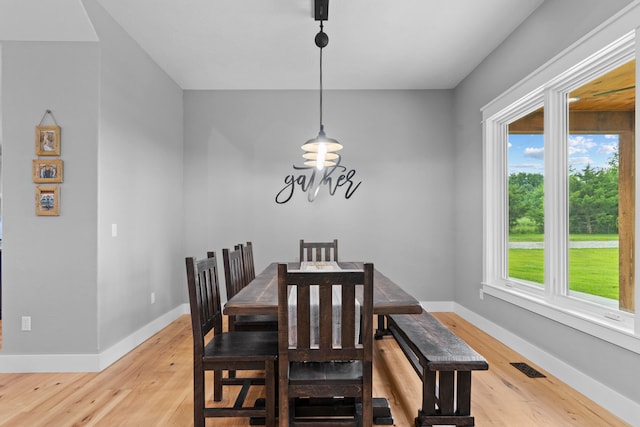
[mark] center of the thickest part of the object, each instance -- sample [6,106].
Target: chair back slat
[233,271]
[303,316]
[319,251]
[348,315]
[204,298]
[326,316]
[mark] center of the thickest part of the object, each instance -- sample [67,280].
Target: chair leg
[367,392]
[231,326]
[198,398]
[367,412]
[283,398]
[217,385]
[270,393]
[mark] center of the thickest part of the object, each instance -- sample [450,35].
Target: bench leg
[428,392]
[464,393]
[446,392]
[453,420]
[439,406]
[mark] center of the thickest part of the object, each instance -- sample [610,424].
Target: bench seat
[443,362]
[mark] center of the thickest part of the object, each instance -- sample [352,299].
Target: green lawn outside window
[591,270]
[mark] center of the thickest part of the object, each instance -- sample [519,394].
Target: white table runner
[319,266]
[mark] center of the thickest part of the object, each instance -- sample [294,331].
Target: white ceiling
[269,44]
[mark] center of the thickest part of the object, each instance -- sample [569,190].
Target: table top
[260,296]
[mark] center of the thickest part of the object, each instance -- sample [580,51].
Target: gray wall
[121,120]
[139,185]
[49,263]
[240,146]
[542,36]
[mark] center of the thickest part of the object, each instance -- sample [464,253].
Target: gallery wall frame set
[47,170]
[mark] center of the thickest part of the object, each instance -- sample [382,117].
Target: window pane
[526,198]
[593,216]
[601,188]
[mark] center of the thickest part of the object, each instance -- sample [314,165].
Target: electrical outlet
[153,297]
[26,323]
[481,292]
[114,230]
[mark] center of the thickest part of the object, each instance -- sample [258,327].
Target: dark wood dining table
[260,297]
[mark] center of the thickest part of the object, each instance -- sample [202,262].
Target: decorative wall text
[311,179]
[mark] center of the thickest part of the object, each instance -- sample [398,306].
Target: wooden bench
[443,362]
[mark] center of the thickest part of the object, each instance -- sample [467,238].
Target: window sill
[604,328]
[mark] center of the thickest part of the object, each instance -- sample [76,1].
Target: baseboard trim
[436,306]
[604,396]
[115,352]
[31,363]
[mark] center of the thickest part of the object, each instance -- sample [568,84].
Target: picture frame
[47,140]
[47,170]
[47,200]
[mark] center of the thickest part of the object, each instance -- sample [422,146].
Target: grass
[572,237]
[591,270]
[527,264]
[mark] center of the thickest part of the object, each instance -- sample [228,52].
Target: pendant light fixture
[320,152]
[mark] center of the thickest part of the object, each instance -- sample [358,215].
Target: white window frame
[608,46]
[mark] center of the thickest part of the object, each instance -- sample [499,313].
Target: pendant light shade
[314,145]
[321,151]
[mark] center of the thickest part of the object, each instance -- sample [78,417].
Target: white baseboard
[436,306]
[604,396]
[118,350]
[23,363]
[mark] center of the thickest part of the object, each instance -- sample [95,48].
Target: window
[601,199]
[560,194]
[525,149]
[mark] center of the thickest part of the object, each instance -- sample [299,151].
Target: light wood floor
[152,386]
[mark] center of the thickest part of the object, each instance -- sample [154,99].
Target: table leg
[382,330]
[314,407]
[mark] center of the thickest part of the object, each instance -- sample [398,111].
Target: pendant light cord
[321,125]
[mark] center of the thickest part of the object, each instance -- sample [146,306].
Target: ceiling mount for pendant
[321,10]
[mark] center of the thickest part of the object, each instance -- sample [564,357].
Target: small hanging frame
[47,137]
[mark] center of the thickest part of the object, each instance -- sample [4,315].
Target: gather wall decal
[309,179]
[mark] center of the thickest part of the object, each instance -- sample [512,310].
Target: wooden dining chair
[234,279]
[247,262]
[319,251]
[324,369]
[254,351]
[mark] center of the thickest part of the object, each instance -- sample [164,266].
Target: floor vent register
[528,370]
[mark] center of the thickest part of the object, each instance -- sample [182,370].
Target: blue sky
[526,152]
